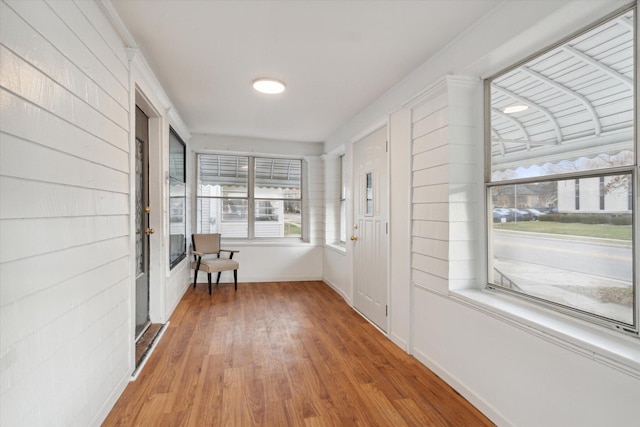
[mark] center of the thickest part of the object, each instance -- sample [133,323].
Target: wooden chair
[209,245]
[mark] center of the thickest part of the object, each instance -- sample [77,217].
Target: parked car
[502,215]
[521,214]
[535,213]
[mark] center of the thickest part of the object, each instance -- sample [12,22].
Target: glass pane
[277,218]
[177,151]
[222,176]
[140,267]
[278,178]
[223,215]
[550,241]
[343,175]
[369,194]
[177,199]
[343,221]
[568,110]
[177,227]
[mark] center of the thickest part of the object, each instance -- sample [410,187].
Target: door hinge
[387,227]
[386,146]
[386,310]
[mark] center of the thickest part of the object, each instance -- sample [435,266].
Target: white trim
[399,341]
[368,130]
[265,279]
[473,398]
[110,401]
[338,291]
[146,356]
[605,346]
[337,248]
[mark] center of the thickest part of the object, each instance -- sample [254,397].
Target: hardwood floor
[283,354]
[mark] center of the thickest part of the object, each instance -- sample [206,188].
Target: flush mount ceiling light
[269,86]
[515,109]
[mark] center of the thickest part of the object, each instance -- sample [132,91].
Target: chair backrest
[206,243]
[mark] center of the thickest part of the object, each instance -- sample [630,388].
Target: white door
[370,231]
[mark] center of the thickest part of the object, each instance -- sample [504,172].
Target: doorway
[142,211]
[370,230]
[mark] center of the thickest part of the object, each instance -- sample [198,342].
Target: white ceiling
[336,57]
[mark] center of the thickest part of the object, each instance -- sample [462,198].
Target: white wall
[64,222]
[334,271]
[264,261]
[68,87]
[518,365]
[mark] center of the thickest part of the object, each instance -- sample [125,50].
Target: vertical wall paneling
[64,221]
[400,226]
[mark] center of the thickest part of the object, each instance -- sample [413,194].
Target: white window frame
[634,188]
[342,232]
[252,199]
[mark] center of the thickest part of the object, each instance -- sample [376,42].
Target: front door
[142,222]
[370,231]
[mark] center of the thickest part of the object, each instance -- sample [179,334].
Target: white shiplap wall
[316,208]
[447,158]
[64,213]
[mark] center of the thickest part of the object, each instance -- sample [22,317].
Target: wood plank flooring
[283,354]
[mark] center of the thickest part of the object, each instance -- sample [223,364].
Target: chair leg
[209,277]
[218,279]
[195,273]
[235,279]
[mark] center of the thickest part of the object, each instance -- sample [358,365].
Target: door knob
[354,238]
[150,231]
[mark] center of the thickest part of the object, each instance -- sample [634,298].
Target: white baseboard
[260,280]
[111,400]
[488,410]
[338,290]
[400,342]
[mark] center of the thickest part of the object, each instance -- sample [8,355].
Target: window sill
[340,248]
[605,346]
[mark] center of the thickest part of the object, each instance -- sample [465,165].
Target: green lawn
[291,229]
[607,231]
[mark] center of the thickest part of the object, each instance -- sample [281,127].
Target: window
[177,199]
[562,162]
[343,201]
[249,197]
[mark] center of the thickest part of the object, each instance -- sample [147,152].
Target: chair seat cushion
[215,265]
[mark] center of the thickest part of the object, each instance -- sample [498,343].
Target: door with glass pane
[143,231]
[370,234]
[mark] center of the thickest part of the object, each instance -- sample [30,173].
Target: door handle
[149,231]
[354,238]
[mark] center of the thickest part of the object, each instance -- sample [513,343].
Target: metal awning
[580,99]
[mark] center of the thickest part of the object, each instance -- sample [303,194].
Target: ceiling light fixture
[269,86]
[515,109]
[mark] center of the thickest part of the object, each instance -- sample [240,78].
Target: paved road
[590,257]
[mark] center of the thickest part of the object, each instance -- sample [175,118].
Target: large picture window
[249,197]
[561,176]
